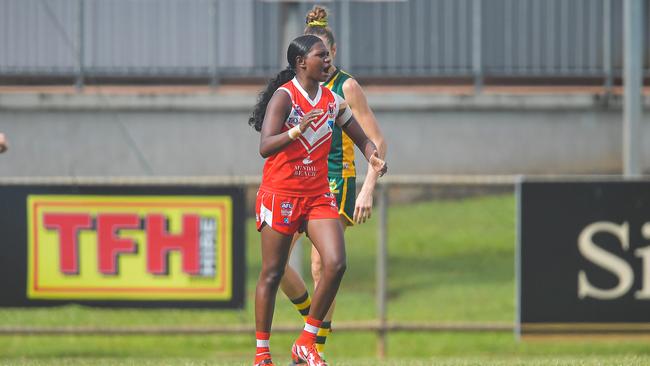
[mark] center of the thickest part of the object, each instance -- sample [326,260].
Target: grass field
[450,261]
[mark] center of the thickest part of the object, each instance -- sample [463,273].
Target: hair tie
[318,23]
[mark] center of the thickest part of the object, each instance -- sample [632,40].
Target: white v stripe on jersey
[304,93]
[312,136]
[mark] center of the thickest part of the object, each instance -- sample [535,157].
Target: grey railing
[220,38]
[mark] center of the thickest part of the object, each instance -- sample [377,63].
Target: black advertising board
[583,257]
[122,245]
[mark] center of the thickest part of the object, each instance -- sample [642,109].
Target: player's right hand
[3,143]
[378,164]
[309,117]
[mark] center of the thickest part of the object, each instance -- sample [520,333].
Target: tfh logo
[195,242]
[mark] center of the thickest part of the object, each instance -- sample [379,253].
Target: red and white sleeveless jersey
[300,169]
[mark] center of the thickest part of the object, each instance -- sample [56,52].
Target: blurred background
[464,87]
[470,95]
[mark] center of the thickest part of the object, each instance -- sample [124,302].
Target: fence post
[79,80]
[633,83]
[345,34]
[382,270]
[607,46]
[214,67]
[477,44]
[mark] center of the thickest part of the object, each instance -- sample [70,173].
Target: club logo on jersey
[298,111]
[307,161]
[331,110]
[286,208]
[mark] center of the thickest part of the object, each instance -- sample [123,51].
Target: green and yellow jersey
[340,163]
[341,157]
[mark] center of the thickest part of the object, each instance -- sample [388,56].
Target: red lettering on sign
[110,245]
[160,243]
[68,226]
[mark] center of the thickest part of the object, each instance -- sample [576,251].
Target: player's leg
[295,288]
[275,251]
[344,190]
[327,236]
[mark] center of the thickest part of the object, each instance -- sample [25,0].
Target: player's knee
[336,267]
[272,276]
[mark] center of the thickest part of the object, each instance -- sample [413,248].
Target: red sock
[308,335]
[262,346]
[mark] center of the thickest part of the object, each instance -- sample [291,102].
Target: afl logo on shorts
[286,208]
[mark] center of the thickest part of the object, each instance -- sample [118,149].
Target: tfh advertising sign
[584,257]
[182,249]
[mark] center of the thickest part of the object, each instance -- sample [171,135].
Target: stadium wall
[208,134]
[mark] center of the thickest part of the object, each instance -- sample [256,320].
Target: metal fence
[381,325]
[409,38]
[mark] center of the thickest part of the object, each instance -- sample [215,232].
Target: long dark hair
[298,47]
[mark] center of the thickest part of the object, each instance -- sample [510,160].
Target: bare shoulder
[352,86]
[280,98]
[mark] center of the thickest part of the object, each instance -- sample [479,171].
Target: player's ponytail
[298,47]
[316,24]
[263,99]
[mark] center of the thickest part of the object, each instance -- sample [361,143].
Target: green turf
[449,261]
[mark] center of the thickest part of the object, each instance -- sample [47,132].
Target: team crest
[298,111]
[331,110]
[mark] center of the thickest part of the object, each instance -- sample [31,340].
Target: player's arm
[349,124]
[272,139]
[357,100]
[366,118]
[3,143]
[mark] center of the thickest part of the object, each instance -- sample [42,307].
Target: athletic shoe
[293,363]
[265,362]
[306,354]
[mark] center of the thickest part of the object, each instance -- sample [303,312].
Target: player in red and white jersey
[295,115]
[300,169]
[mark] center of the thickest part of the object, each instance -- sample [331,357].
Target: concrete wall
[207,134]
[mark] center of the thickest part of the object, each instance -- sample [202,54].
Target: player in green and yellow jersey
[341,170]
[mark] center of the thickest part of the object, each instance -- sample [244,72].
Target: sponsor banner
[167,246]
[583,261]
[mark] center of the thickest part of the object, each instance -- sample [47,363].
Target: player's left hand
[363,207]
[378,164]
